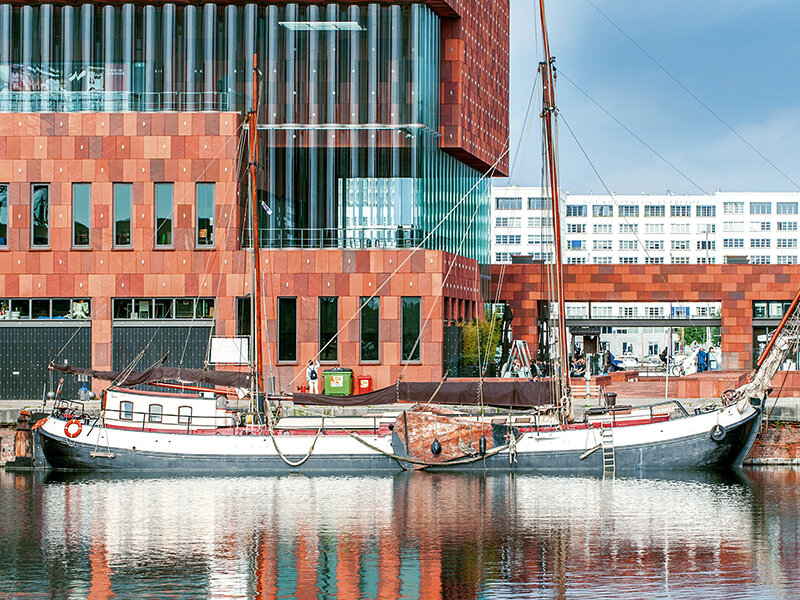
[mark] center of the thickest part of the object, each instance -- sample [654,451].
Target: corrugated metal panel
[27,349]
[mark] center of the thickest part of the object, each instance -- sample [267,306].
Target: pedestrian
[312,376]
[701,360]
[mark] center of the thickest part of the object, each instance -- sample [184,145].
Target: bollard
[23,444]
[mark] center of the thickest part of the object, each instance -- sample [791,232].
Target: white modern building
[724,227]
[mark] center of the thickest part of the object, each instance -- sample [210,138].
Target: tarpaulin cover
[513,393]
[158,373]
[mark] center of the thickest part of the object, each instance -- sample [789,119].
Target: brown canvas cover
[158,373]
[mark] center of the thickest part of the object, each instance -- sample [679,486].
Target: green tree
[480,340]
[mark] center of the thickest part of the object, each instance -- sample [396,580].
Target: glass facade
[348,113]
[81,215]
[40,215]
[163,193]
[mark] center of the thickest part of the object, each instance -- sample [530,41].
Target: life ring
[39,423]
[73,428]
[718,432]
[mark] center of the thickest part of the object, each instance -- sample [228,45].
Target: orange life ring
[69,428]
[39,423]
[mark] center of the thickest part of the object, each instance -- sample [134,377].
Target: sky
[740,58]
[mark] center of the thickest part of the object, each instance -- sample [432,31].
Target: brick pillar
[737,334]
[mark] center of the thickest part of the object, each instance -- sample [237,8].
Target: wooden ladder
[609,456]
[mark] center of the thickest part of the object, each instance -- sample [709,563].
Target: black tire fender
[718,432]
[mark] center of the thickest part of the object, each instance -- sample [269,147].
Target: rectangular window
[370,336]
[576,245]
[508,203]
[680,244]
[627,228]
[204,204]
[163,196]
[243,317]
[628,260]
[703,228]
[706,245]
[654,210]
[732,226]
[576,228]
[760,226]
[681,210]
[602,244]
[706,211]
[760,243]
[787,242]
[603,210]
[680,260]
[654,228]
[411,327]
[760,208]
[654,260]
[508,221]
[759,260]
[576,210]
[702,260]
[328,326]
[287,329]
[602,228]
[40,215]
[787,225]
[787,260]
[3,214]
[508,239]
[629,210]
[733,243]
[628,244]
[654,244]
[601,260]
[123,210]
[733,208]
[126,411]
[184,415]
[540,222]
[538,203]
[81,215]
[576,260]
[786,208]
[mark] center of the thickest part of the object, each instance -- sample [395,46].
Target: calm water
[410,536]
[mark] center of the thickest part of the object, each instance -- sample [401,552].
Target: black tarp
[506,393]
[158,373]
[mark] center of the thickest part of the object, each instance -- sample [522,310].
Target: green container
[337,382]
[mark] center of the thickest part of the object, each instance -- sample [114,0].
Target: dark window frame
[115,232]
[4,211]
[157,228]
[45,245]
[75,244]
[151,416]
[287,339]
[209,228]
[328,344]
[365,353]
[183,418]
[126,410]
[410,350]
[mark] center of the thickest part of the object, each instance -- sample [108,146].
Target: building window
[706,245]
[508,203]
[654,244]
[706,260]
[681,228]
[508,221]
[287,329]
[733,208]
[502,257]
[81,215]
[576,210]
[163,194]
[787,225]
[40,215]
[154,413]
[4,214]
[328,328]
[162,308]
[627,228]
[600,228]
[760,226]
[680,210]
[538,203]
[126,411]
[760,208]
[629,210]
[680,260]
[576,245]
[184,415]
[732,226]
[411,327]
[243,316]
[508,239]
[733,243]
[628,260]
[704,228]
[540,239]
[370,336]
[787,260]
[601,260]
[654,260]
[760,260]
[787,242]
[680,244]
[603,210]
[706,211]
[577,228]
[545,222]
[205,214]
[760,243]
[654,210]
[602,244]
[628,244]
[122,214]
[786,208]
[654,228]
[576,260]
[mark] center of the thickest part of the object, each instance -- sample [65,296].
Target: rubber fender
[436,447]
[718,432]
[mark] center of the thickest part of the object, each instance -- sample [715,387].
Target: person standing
[701,360]
[312,376]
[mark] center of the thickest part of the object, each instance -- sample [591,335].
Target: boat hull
[681,444]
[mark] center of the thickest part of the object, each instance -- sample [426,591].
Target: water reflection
[415,535]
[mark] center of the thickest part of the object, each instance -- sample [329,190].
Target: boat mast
[549,115]
[256,296]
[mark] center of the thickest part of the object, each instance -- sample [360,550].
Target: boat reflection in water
[411,536]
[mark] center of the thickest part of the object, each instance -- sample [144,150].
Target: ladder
[609,456]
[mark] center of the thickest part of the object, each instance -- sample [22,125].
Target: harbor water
[413,535]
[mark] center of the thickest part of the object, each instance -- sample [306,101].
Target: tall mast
[257,302]
[549,115]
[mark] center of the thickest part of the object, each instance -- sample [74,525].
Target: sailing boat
[191,432]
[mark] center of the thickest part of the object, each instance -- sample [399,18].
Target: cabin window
[126,411]
[184,415]
[154,413]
